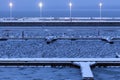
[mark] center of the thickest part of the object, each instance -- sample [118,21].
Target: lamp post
[100,5]
[40,6]
[70,5]
[10,5]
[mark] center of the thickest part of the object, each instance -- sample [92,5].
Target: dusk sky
[32,5]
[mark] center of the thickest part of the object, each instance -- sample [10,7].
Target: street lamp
[100,5]
[10,5]
[40,6]
[70,5]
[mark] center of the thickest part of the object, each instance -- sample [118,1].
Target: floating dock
[85,64]
[98,61]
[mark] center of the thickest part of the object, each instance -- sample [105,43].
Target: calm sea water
[38,73]
[107,73]
[80,13]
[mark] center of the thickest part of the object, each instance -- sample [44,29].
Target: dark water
[39,73]
[107,73]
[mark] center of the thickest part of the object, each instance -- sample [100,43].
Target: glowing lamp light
[70,4]
[40,4]
[11,4]
[100,4]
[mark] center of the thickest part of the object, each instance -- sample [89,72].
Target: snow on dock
[65,21]
[85,64]
[86,70]
[117,55]
[59,60]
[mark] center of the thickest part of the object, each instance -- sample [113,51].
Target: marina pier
[61,21]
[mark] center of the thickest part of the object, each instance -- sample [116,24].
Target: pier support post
[86,70]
